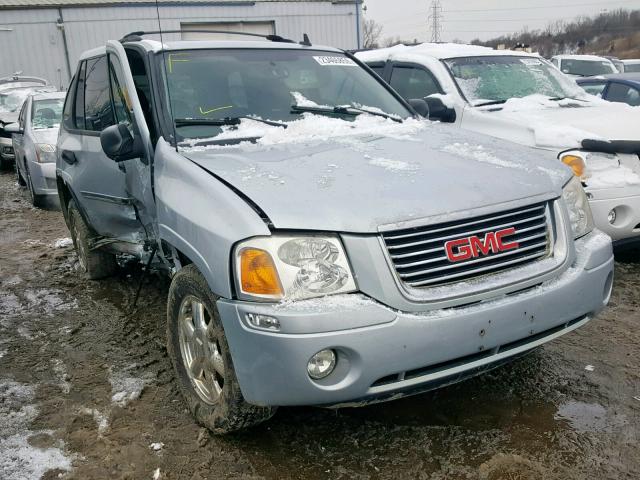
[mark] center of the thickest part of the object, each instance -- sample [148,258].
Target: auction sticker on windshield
[344,61]
[531,61]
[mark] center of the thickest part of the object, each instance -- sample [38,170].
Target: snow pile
[62,243]
[392,165]
[312,129]
[478,152]
[126,388]
[606,172]
[19,459]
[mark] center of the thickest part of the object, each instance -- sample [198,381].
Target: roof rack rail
[137,36]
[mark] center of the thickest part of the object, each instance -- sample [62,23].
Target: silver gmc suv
[325,246]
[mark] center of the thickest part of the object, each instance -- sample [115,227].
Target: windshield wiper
[223,122]
[493,102]
[343,110]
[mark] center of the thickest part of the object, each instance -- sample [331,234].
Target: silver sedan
[34,143]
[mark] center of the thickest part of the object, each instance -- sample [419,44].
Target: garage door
[262,28]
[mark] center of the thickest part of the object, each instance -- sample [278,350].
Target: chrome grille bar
[420,257]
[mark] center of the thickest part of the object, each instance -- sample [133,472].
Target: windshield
[206,86]
[490,80]
[587,68]
[47,113]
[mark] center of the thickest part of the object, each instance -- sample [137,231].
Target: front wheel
[95,263]
[200,354]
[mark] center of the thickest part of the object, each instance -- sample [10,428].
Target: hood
[46,135]
[8,117]
[360,185]
[556,125]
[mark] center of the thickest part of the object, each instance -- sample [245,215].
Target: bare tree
[372,33]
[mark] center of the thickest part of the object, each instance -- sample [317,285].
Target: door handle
[69,157]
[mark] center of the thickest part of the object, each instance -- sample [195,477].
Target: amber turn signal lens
[258,273]
[576,163]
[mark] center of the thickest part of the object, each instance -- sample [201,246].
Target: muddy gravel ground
[87,391]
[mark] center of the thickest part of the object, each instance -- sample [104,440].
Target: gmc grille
[420,257]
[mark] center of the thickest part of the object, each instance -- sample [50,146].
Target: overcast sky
[484,19]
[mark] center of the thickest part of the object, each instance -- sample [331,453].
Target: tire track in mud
[93,391]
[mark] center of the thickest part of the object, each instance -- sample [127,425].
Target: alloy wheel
[200,350]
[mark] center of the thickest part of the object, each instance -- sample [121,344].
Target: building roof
[25,4]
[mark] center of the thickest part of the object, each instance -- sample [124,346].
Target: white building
[46,37]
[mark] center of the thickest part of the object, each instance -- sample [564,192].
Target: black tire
[19,178]
[36,200]
[96,264]
[229,412]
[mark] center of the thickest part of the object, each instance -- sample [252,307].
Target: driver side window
[414,82]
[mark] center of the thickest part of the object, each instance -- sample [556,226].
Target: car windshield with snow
[326,246]
[521,97]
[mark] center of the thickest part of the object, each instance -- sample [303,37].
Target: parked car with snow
[584,65]
[619,88]
[520,97]
[326,246]
[34,143]
[11,101]
[631,66]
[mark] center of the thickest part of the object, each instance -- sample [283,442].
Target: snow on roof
[590,58]
[435,50]
[631,61]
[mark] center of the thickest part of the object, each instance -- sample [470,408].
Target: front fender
[201,216]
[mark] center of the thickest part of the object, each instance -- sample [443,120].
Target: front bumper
[384,353]
[43,178]
[626,203]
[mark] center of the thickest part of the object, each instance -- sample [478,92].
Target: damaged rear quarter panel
[201,217]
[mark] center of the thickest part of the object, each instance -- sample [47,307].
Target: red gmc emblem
[474,247]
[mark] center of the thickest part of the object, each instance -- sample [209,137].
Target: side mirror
[439,111]
[420,106]
[13,128]
[119,145]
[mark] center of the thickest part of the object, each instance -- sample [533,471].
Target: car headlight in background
[578,205]
[45,153]
[586,164]
[283,267]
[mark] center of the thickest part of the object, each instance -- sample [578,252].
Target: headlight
[587,164]
[578,205]
[279,267]
[45,153]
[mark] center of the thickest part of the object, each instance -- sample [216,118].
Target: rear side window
[67,113]
[411,82]
[78,103]
[378,68]
[623,94]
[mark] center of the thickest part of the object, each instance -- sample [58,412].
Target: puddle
[588,417]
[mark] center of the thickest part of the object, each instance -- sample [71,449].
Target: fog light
[263,322]
[321,364]
[612,216]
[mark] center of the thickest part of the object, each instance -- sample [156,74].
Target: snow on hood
[356,176]
[559,125]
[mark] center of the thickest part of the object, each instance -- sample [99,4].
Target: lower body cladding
[382,354]
[616,211]
[43,178]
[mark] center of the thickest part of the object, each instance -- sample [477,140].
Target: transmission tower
[435,20]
